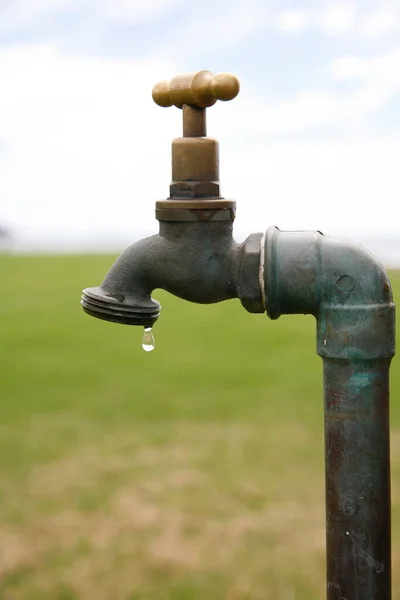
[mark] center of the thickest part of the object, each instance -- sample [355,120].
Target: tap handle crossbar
[199,90]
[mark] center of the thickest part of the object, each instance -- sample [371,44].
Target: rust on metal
[349,293]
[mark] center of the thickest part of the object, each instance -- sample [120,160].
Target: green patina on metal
[349,293]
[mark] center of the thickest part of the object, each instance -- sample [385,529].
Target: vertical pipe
[349,293]
[356,394]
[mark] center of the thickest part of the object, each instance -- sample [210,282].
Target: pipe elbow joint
[338,281]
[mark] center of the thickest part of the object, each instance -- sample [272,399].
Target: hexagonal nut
[194,189]
[248,276]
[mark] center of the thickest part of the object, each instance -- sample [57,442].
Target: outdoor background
[195,471]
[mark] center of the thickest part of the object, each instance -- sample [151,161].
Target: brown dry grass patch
[192,505]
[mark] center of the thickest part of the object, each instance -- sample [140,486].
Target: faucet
[195,257]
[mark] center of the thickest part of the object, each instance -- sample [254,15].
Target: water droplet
[148,342]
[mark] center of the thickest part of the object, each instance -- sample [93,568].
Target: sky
[312,141]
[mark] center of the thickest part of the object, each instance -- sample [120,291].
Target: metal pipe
[349,293]
[356,396]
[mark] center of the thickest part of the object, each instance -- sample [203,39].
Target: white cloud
[377,78]
[293,20]
[380,22]
[304,112]
[31,7]
[83,137]
[135,10]
[217,29]
[381,70]
[337,17]
[20,12]
[341,18]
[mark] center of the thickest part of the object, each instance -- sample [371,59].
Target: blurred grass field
[194,472]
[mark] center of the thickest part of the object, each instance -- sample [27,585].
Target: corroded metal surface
[349,293]
[198,261]
[357,478]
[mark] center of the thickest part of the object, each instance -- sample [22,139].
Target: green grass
[189,473]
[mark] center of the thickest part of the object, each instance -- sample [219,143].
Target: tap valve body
[195,187]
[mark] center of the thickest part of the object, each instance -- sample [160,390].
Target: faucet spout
[197,261]
[125,294]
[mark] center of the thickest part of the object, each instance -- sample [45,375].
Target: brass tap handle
[199,90]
